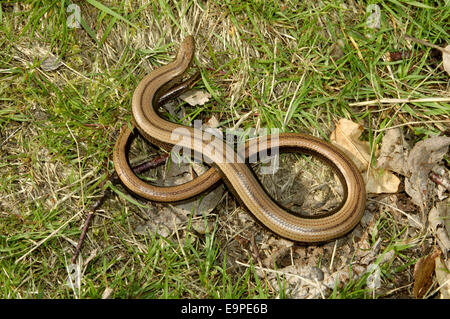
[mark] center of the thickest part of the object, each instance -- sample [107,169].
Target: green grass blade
[109,11]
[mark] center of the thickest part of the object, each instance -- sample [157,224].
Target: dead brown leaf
[415,164]
[393,152]
[439,219]
[423,274]
[381,181]
[107,293]
[51,63]
[195,97]
[347,135]
[424,155]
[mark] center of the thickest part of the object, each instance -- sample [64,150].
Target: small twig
[423,42]
[49,236]
[12,134]
[440,180]
[141,168]
[86,225]
[95,125]
[407,100]
[138,169]
[400,211]
[409,124]
[115,180]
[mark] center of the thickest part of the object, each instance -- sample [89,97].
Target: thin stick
[441,180]
[434,46]
[407,100]
[115,180]
[437,289]
[399,210]
[85,228]
[49,236]
[409,123]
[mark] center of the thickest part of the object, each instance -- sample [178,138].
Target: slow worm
[235,172]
